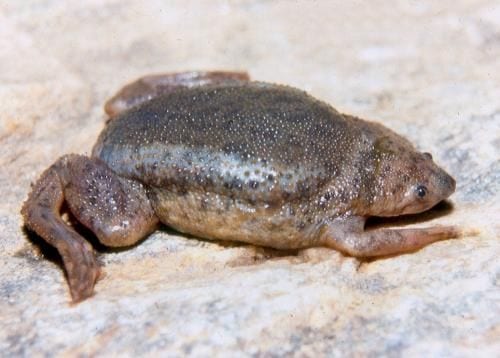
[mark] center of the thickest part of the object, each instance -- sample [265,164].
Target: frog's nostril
[427,155]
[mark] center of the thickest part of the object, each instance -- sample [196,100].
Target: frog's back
[254,162]
[264,142]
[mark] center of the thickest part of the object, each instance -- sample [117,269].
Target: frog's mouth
[440,209]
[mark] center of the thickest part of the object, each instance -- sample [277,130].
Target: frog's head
[407,181]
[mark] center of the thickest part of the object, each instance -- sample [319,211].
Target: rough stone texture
[428,69]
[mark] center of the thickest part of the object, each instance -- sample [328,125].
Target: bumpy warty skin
[239,162]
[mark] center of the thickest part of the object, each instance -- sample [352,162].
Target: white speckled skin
[237,160]
[264,164]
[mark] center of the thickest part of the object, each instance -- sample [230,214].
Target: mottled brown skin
[217,156]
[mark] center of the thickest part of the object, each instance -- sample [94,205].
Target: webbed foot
[348,235]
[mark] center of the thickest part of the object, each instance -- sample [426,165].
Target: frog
[218,156]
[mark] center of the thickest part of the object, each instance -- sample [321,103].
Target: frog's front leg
[116,210]
[149,87]
[348,235]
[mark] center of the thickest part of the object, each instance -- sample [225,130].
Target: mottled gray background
[428,69]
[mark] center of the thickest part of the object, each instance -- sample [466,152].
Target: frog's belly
[218,217]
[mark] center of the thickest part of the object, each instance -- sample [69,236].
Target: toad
[218,156]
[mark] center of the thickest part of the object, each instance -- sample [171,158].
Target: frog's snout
[432,188]
[446,184]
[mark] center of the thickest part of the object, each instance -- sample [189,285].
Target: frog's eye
[421,190]
[427,155]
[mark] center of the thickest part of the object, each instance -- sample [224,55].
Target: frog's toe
[83,272]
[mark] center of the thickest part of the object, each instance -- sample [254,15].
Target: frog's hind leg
[349,237]
[148,87]
[116,210]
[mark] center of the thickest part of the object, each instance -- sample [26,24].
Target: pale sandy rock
[427,69]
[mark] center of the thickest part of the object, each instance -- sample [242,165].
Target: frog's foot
[41,214]
[115,209]
[148,87]
[349,237]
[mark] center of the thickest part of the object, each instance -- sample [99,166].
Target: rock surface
[427,69]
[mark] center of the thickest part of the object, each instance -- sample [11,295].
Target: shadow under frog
[217,156]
